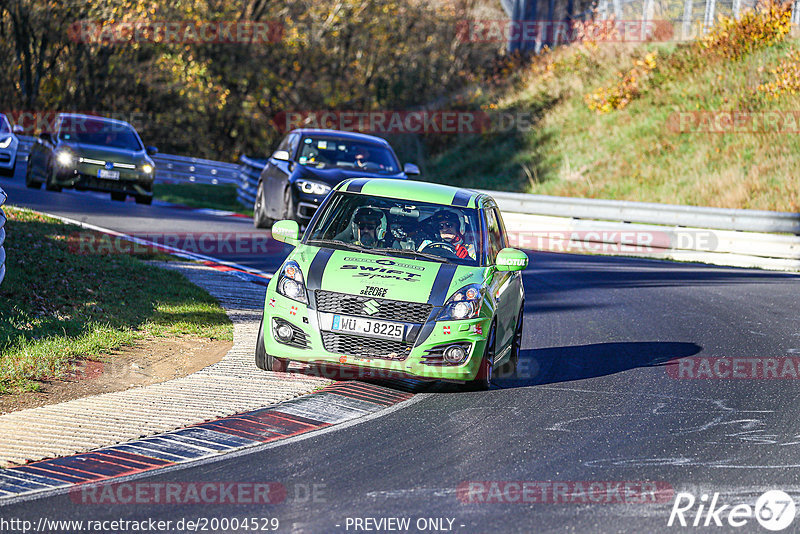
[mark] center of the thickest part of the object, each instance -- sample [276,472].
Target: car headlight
[463,304]
[6,142]
[314,188]
[147,168]
[291,283]
[65,159]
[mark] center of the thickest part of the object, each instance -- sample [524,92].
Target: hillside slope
[661,133]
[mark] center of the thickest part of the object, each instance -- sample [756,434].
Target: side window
[294,140]
[285,143]
[494,235]
[502,227]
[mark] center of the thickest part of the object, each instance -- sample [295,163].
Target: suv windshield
[332,153]
[99,132]
[399,228]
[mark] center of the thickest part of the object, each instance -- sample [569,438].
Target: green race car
[401,278]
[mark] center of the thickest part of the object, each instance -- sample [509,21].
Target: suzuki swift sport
[400,277]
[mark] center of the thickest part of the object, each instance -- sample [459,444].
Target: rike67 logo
[774,510]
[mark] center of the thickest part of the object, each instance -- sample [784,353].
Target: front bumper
[84,177]
[8,156]
[308,346]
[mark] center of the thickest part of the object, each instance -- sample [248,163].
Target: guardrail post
[708,18]
[687,19]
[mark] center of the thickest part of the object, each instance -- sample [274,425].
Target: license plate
[108,175]
[368,327]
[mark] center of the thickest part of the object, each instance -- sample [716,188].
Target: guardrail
[249,172]
[3,197]
[170,169]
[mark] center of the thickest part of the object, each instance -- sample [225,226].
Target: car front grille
[389,310]
[365,347]
[91,182]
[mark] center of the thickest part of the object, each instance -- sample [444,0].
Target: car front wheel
[260,219]
[265,361]
[509,369]
[29,181]
[483,380]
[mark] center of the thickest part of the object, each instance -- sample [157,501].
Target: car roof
[353,136]
[92,117]
[419,191]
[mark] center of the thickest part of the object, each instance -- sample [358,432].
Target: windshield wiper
[337,242]
[401,251]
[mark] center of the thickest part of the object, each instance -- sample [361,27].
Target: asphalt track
[596,399]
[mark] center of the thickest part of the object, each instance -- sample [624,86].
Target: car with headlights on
[8,147]
[407,278]
[309,162]
[86,152]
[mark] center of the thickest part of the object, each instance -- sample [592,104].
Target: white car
[8,146]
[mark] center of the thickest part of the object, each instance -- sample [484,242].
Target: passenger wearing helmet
[449,228]
[368,227]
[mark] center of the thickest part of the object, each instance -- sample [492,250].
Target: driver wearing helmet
[448,227]
[369,227]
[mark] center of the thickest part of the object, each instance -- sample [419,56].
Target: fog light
[284,332]
[454,354]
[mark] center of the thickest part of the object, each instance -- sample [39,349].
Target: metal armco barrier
[3,197]
[170,169]
[249,172]
[649,213]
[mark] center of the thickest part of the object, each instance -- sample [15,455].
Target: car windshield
[5,127]
[399,228]
[99,132]
[332,153]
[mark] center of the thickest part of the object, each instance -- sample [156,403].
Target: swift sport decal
[371,272]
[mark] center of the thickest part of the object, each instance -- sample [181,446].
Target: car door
[503,283]
[275,177]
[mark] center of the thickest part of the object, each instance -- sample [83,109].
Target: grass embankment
[608,122]
[218,197]
[58,306]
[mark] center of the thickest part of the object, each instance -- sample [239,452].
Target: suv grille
[365,347]
[390,310]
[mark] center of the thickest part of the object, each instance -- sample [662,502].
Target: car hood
[333,177]
[105,153]
[378,276]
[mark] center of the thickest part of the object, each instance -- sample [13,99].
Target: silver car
[8,146]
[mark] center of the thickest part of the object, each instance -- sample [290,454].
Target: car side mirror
[151,150]
[47,137]
[286,232]
[411,169]
[17,129]
[280,155]
[511,259]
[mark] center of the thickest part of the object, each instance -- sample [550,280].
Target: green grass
[633,153]
[218,197]
[58,306]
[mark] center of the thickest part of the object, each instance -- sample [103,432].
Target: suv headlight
[147,168]
[291,283]
[65,158]
[314,188]
[6,142]
[463,304]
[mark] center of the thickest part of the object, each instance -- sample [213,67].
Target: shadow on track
[564,364]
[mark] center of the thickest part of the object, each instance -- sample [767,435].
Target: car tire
[29,181]
[120,197]
[291,205]
[483,380]
[265,361]
[260,219]
[509,369]
[144,199]
[49,184]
